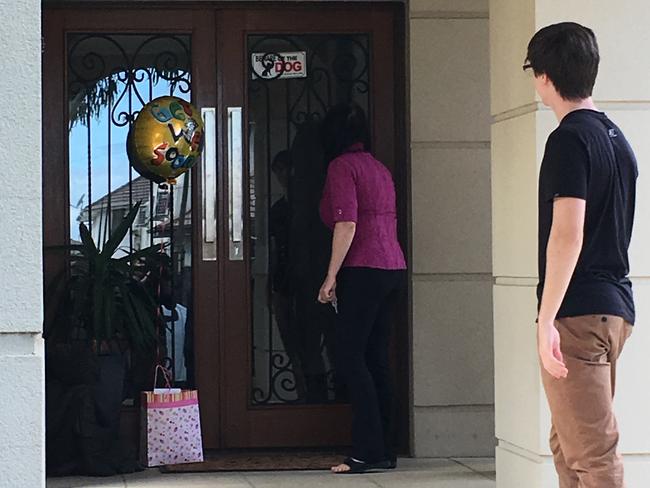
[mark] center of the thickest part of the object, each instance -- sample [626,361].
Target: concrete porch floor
[413,473]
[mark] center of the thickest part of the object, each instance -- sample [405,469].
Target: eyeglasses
[528,69]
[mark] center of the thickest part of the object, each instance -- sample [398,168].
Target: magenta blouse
[360,189]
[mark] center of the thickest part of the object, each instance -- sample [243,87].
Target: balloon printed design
[166,139]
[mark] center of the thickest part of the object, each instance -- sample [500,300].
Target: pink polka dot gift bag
[170,427]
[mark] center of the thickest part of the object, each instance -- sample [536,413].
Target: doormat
[259,461]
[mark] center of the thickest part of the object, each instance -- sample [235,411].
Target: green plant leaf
[120,267]
[97,310]
[147,252]
[89,247]
[80,290]
[109,305]
[137,329]
[118,235]
[132,320]
[145,315]
[146,299]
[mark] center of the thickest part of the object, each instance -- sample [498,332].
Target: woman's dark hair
[344,125]
[281,161]
[568,54]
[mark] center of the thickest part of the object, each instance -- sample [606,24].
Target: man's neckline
[588,110]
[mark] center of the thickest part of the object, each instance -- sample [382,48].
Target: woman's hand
[327,292]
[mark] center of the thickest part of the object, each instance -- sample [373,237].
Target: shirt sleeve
[565,168]
[342,192]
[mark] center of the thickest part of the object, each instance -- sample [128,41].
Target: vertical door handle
[209,180]
[235,187]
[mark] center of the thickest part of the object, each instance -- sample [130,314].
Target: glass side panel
[109,79]
[293,80]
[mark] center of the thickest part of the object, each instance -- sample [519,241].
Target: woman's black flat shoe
[359,467]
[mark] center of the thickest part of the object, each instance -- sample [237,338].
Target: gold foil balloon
[166,139]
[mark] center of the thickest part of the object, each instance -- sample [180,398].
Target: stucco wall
[452,267]
[22,426]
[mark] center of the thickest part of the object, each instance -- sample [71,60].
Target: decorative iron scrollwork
[110,70]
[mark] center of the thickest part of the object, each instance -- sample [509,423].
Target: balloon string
[159,315]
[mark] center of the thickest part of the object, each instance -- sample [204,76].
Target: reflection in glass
[110,78]
[290,247]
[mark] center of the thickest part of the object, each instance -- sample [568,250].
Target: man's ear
[548,82]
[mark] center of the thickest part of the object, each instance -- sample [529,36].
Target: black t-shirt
[588,157]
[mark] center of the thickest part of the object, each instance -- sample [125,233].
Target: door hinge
[42,44]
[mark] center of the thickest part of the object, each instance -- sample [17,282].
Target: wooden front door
[247,248]
[285,68]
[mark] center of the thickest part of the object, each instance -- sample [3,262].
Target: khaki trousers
[584,433]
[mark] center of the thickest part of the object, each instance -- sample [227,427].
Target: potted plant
[105,314]
[105,296]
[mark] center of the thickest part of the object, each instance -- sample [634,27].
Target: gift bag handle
[165,373]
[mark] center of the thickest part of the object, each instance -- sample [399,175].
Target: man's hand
[327,292]
[548,343]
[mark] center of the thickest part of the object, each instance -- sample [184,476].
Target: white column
[452,269]
[22,425]
[519,131]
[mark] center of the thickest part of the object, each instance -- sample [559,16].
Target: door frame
[208,90]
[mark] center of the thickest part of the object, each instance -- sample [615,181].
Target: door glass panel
[109,79]
[293,80]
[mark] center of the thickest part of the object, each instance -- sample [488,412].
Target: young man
[587,187]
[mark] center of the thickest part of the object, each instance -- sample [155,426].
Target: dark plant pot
[101,447]
[84,401]
[108,390]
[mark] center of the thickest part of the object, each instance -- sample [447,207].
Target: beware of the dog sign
[273,66]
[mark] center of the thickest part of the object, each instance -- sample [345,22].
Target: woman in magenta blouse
[366,270]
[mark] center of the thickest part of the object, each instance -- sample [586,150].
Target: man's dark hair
[568,54]
[344,125]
